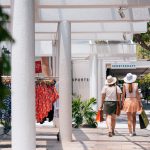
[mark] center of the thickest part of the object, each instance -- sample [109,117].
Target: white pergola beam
[85,36]
[94,21]
[86,3]
[45,36]
[89,19]
[46,27]
[101,36]
[95,27]
[5,3]
[93,3]
[93,14]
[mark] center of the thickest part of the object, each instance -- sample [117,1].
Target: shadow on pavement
[80,135]
[138,143]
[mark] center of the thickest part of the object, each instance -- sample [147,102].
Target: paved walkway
[90,139]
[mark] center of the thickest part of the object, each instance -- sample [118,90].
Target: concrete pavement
[89,138]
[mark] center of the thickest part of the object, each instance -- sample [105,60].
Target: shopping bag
[143,119]
[99,116]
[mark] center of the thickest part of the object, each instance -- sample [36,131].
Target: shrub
[83,113]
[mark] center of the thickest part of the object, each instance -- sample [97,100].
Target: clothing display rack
[47,78]
[48,84]
[46,96]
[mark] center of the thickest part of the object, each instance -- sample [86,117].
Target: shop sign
[123,66]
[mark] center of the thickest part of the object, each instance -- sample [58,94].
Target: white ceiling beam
[86,3]
[96,21]
[109,27]
[85,36]
[95,27]
[101,36]
[6,3]
[93,3]
[45,36]
[94,14]
[46,27]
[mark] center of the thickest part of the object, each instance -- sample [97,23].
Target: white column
[54,57]
[101,78]
[101,74]
[65,82]
[55,54]
[93,76]
[23,73]
[57,57]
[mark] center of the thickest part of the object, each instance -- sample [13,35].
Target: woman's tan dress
[132,102]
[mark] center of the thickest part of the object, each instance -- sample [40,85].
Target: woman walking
[131,101]
[110,95]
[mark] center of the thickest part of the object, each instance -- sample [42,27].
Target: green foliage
[5,92]
[143,39]
[145,86]
[146,36]
[89,113]
[4,60]
[83,113]
[4,66]
[5,70]
[142,53]
[4,33]
[77,115]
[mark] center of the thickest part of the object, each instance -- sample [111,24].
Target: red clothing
[46,95]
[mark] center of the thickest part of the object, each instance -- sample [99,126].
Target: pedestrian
[110,95]
[131,101]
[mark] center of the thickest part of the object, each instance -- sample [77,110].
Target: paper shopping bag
[99,116]
[143,119]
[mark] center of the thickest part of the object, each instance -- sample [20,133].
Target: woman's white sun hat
[130,78]
[110,80]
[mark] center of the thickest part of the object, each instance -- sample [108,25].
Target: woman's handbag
[99,116]
[118,110]
[143,119]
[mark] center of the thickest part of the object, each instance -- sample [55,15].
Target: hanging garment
[5,114]
[46,95]
[50,116]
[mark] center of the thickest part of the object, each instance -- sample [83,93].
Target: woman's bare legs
[130,120]
[113,122]
[134,121]
[108,122]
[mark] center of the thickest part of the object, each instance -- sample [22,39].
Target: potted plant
[83,113]
[89,113]
[77,114]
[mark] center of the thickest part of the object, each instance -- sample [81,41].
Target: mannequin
[46,70]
